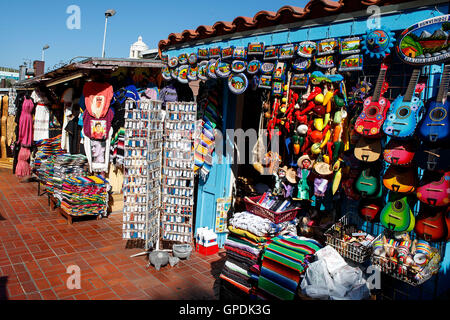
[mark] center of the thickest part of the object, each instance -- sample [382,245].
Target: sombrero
[290,174]
[302,165]
[322,168]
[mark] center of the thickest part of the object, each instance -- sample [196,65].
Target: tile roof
[286,14]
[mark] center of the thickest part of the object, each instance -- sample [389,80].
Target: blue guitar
[435,124]
[405,112]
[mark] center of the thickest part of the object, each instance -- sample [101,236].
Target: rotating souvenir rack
[142,178]
[178,173]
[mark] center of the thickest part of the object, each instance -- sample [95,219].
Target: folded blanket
[238,285]
[257,225]
[248,235]
[241,261]
[235,243]
[242,252]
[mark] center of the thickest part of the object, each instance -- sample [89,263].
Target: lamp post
[108,13]
[43,51]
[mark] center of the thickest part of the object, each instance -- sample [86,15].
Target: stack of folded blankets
[83,196]
[249,234]
[67,165]
[46,149]
[45,174]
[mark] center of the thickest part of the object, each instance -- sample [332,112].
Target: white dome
[137,47]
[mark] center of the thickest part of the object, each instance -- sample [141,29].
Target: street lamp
[108,13]
[43,51]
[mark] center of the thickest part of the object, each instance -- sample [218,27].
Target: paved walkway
[37,246]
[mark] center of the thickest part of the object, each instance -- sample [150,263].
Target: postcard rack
[178,173]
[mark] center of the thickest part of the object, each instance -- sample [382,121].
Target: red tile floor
[37,245]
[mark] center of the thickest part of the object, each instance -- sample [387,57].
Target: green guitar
[367,184]
[397,216]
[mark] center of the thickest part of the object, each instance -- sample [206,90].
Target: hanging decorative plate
[279,73]
[271,53]
[214,52]
[166,73]
[307,49]
[193,58]
[325,61]
[267,68]
[203,53]
[240,53]
[173,62]
[300,81]
[211,69]
[377,43]
[286,51]
[237,83]
[350,45]
[277,88]
[426,42]
[165,58]
[201,74]
[265,82]
[183,58]
[301,64]
[327,46]
[255,48]
[351,63]
[253,66]
[174,73]
[238,66]
[227,53]
[183,73]
[193,73]
[223,69]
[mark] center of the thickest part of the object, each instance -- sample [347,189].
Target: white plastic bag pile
[331,278]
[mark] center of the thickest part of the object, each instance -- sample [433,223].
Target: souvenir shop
[349,171]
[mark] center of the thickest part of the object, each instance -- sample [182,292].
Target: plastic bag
[332,258]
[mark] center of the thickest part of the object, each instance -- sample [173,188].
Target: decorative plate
[173,62]
[377,43]
[286,51]
[237,83]
[183,58]
[301,64]
[166,73]
[240,53]
[280,71]
[307,49]
[193,73]
[351,63]
[238,66]
[183,73]
[203,53]
[267,68]
[327,46]
[211,69]
[227,53]
[265,82]
[350,45]
[299,81]
[223,69]
[325,61]
[253,66]
[255,48]
[425,42]
[271,53]
[174,73]
[193,58]
[201,74]
[214,52]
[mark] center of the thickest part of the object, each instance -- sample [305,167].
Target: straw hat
[291,175]
[322,168]
[303,161]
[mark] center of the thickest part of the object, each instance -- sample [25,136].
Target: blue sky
[27,25]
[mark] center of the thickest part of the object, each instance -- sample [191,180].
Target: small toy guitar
[397,216]
[430,227]
[433,157]
[368,150]
[367,183]
[434,189]
[447,223]
[370,121]
[369,210]
[435,125]
[400,179]
[399,152]
[405,111]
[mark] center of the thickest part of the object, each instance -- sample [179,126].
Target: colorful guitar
[434,189]
[370,121]
[430,226]
[447,223]
[432,157]
[435,125]
[367,183]
[405,112]
[368,150]
[369,210]
[397,216]
[400,179]
[400,152]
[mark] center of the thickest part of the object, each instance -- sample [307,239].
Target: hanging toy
[377,43]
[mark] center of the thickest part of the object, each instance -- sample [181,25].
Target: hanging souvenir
[426,42]
[351,63]
[277,88]
[240,53]
[255,48]
[307,49]
[173,62]
[280,71]
[238,66]
[165,58]
[223,69]
[214,52]
[183,73]
[237,83]
[183,58]
[174,73]
[203,54]
[271,53]
[202,72]
[325,61]
[327,46]
[301,64]
[265,82]
[193,73]
[227,53]
[193,58]
[299,81]
[211,69]
[267,68]
[253,66]
[286,51]
[166,73]
[350,45]
[377,43]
